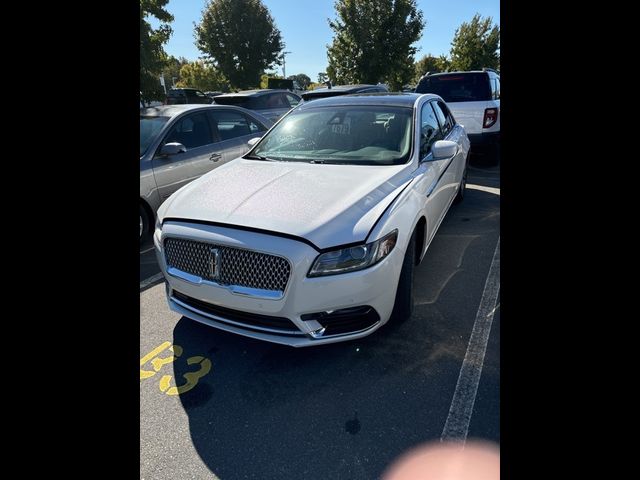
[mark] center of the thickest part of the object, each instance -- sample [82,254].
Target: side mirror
[172,148]
[443,149]
[253,141]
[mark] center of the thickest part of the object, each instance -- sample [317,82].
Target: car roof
[489,72]
[342,88]
[173,110]
[255,93]
[183,89]
[392,99]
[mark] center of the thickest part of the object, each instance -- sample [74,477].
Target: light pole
[284,65]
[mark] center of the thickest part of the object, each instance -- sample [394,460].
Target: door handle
[215,157]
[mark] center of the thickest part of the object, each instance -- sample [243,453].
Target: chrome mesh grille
[236,266]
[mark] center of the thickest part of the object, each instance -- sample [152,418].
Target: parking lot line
[482,188]
[148,281]
[457,425]
[147,250]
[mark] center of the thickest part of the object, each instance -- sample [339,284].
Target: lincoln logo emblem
[215,263]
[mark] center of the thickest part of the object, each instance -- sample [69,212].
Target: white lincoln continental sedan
[313,235]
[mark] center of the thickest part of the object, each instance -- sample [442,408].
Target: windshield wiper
[258,157]
[328,162]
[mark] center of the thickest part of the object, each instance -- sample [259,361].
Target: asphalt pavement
[230,407]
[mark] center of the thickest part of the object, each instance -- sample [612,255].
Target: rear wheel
[403,306]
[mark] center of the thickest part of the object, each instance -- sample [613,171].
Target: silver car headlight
[353,258]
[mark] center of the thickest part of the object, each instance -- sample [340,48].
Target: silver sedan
[179,143]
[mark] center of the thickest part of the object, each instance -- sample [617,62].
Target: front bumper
[303,300]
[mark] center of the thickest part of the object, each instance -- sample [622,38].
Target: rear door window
[232,124]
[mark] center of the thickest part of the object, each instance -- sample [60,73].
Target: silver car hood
[327,205]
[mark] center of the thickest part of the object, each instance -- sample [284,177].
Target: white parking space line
[147,250]
[457,425]
[482,188]
[148,281]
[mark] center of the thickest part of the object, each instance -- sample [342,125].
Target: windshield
[355,135]
[461,87]
[149,128]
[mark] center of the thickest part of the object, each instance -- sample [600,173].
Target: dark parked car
[184,96]
[270,103]
[342,90]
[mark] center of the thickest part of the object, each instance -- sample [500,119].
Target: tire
[144,225]
[403,306]
[463,184]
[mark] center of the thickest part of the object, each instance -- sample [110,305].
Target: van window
[457,87]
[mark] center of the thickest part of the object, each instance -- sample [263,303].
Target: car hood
[327,205]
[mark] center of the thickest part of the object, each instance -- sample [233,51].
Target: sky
[305,30]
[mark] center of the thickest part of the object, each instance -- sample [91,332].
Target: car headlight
[353,258]
[158,223]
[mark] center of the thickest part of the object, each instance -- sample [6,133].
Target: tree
[152,55]
[302,80]
[373,41]
[264,78]
[322,77]
[172,68]
[241,38]
[475,45]
[429,63]
[203,77]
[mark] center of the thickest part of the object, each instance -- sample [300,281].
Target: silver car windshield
[356,135]
[149,128]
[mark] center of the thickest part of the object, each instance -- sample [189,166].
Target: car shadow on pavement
[345,410]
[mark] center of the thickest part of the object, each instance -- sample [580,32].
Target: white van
[474,100]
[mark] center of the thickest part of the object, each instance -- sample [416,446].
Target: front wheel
[144,224]
[463,185]
[403,306]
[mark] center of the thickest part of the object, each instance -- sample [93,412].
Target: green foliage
[172,69]
[302,80]
[475,45]
[373,41]
[264,79]
[203,77]
[429,63]
[152,55]
[322,77]
[241,38]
